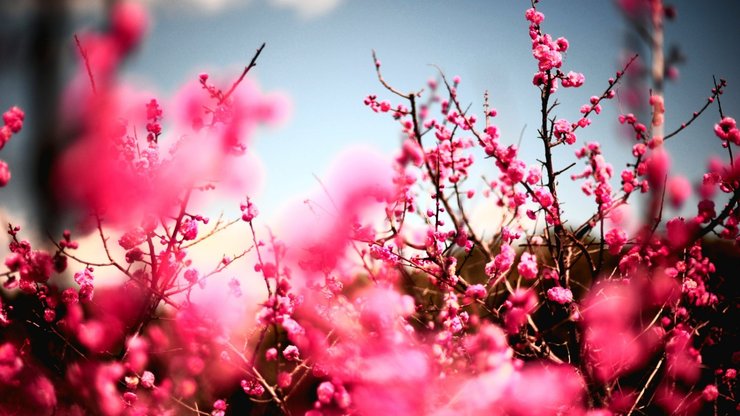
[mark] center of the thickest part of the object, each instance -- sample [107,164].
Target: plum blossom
[560,295]
[727,130]
[527,267]
[502,262]
[615,239]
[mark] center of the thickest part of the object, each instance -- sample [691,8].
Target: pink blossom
[411,153]
[37,266]
[542,389]
[658,109]
[547,53]
[129,21]
[560,295]
[709,185]
[727,130]
[132,238]
[710,393]
[271,354]
[527,267]
[11,363]
[533,175]
[655,142]
[684,362]
[147,379]
[360,181]
[562,47]
[189,229]
[516,170]
[219,408]
[5,134]
[252,388]
[508,235]
[543,197]
[658,165]
[615,239]
[69,296]
[612,344]
[325,392]
[4,174]
[129,398]
[550,274]
[97,383]
[521,303]
[235,287]
[13,119]
[678,231]
[191,275]
[284,379]
[534,16]
[291,353]
[679,189]
[502,262]
[476,291]
[563,130]
[573,79]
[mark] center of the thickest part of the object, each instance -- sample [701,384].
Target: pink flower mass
[477,268]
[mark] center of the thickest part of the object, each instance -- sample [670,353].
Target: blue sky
[321,58]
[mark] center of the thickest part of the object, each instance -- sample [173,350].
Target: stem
[647,384]
[86,60]
[236,83]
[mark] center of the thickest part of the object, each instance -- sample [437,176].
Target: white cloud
[304,8]
[307,8]
[207,6]
[95,7]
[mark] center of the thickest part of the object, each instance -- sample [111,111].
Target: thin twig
[247,68]
[86,60]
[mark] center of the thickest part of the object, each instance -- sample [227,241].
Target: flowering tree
[380,295]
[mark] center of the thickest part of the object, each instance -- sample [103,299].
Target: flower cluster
[13,122]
